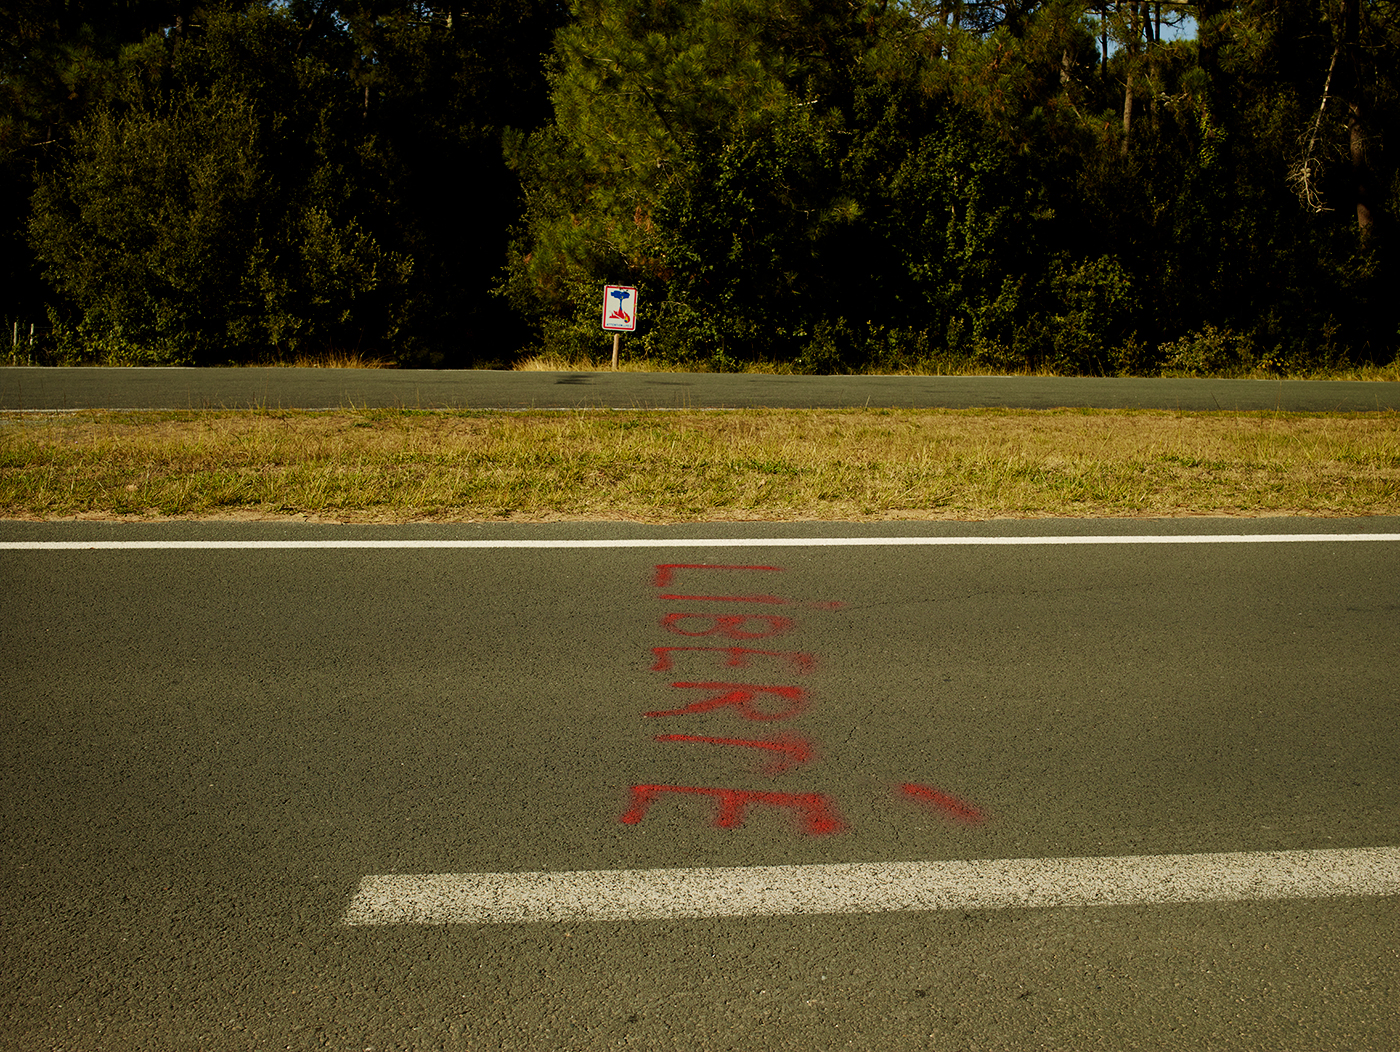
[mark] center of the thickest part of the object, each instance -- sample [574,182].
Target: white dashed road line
[708,542]
[882,887]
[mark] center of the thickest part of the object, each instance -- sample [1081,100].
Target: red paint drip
[666,572]
[741,697]
[727,626]
[770,599]
[816,815]
[950,805]
[738,657]
[792,751]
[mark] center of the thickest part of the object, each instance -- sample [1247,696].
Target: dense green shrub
[203,220]
[827,185]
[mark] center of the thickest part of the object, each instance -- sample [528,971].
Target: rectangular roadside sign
[619,308]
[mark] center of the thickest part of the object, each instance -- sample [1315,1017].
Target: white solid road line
[881,887]
[710,542]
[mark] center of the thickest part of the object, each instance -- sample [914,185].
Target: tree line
[1085,186]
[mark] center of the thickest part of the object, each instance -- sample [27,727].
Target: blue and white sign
[619,308]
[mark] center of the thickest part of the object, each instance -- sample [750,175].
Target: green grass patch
[852,465]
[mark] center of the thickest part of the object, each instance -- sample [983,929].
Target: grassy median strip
[662,466]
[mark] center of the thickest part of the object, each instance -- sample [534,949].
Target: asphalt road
[165,388]
[205,752]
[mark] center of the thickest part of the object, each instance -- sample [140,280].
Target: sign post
[619,313]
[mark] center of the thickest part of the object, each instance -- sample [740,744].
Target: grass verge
[853,465]
[946,367]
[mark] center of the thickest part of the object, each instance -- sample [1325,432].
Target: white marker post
[619,313]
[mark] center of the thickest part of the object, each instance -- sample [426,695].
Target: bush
[1208,352]
[190,226]
[1094,303]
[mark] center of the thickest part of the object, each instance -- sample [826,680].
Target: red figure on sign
[815,812]
[619,312]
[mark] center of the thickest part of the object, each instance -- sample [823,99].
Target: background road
[204,751]
[36,388]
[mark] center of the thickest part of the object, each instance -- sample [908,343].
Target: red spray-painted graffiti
[666,572]
[814,813]
[738,657]
[742,697]
[727,625]
[947,803]
[792,751]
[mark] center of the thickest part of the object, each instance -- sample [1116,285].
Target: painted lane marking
[711,542]
[882,887]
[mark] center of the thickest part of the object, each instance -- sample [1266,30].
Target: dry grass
[587,364]
[952,367]
[382,466]
[584,363]
[333,360]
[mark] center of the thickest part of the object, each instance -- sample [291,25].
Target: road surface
[803,786]
[25,388]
